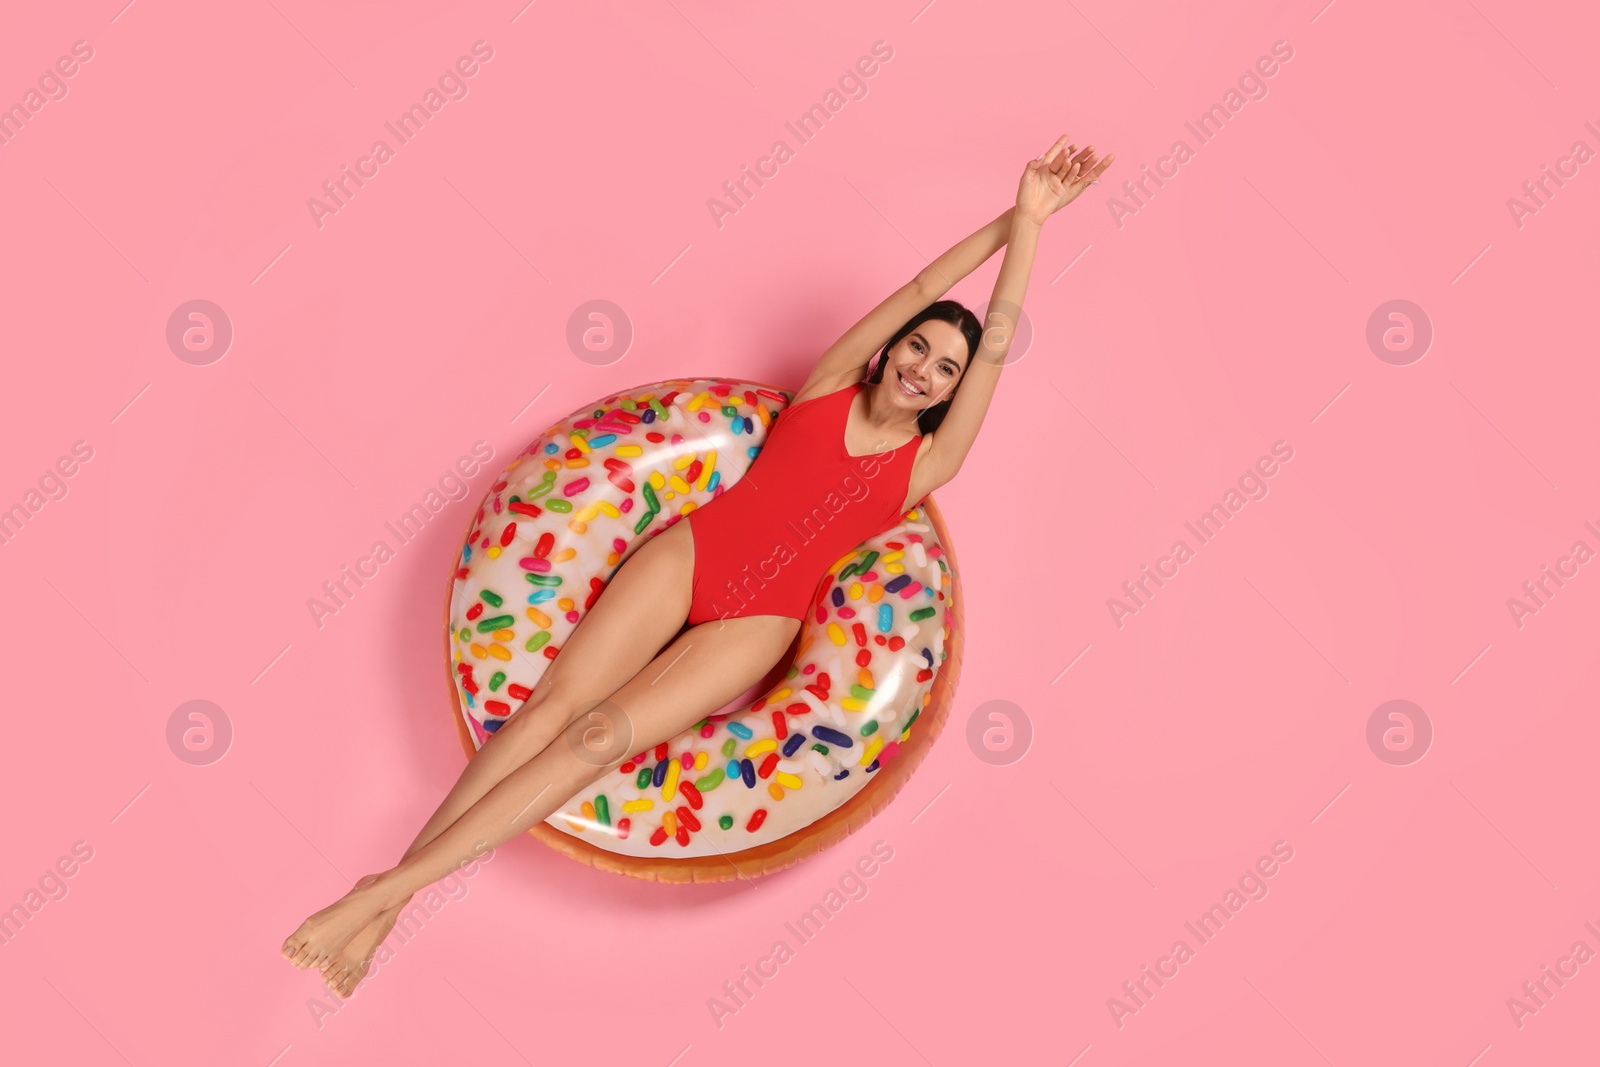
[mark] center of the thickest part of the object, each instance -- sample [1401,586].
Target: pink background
[1229,313]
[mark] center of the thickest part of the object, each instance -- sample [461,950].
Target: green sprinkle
[726,822]
[861,692]
[538,641]
[709,782]
[497,622]
[497,680]
[921,613]
[870,728]
[602,810]
[911,720]
[729,410]
[627,404]
[560,505]
[727,747]
[819,747]
[543,579]
[655,406]
[645,520]
[866,564]
[642,779]
[651,501]
[492,597]
[466,633]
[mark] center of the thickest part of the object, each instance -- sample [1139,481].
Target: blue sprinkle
[714,480]
[754,450]
[472,701]
[466,553]
[796,739]
[896,584]
[885,617]
[872,766]
[928,656]
[603,440]
[647,416]
[841,774]
[838,596]
[748,771]
[551,448]
[829,736]
[732,770]
[738,426]
[491,725]
[749,425]
[740,730]
[661,773]
[541,595]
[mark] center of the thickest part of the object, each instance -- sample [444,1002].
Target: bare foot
[330,929]
[350,964]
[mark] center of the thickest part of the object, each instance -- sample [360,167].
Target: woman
[906,428]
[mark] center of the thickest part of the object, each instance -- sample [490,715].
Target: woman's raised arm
[1048,184]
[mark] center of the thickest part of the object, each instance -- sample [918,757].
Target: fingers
[1050,154]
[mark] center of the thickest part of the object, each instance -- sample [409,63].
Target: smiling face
[922,369]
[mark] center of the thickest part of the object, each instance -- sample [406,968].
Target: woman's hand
[1055,179]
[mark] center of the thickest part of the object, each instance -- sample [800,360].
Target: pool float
[741,793]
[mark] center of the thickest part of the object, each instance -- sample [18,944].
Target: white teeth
[906,386]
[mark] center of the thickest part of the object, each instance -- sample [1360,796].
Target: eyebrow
[926,344]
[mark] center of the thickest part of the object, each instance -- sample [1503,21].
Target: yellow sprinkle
[890,557]
[500,652]
[761,748]
[852,704]
[629,450]
[642,804]
[683,461]
[479,651]
[564,555]
[678,484]
[873,748]
[669,823]
[608,508]
[836,634]
[688,505]
[782,694]
[585,513]
[790,780]
[894,568]
[504,635]
[580,444]
[705,471]
[700,759]
[669,785]
[776,790]
[855,591]
[656,481]
[539,618]
[494,551]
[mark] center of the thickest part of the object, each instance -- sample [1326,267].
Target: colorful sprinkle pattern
[561,519]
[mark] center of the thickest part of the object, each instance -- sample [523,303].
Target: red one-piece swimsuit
[762,546]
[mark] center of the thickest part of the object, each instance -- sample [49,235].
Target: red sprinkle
[497,707]
[622,828]
[518,692]
[661,752]
[682,835]
[780,724]
[659,836]
[531,510]
[758,817]
[691,794]
[686,818]
[767,765]
[507,534]
[474,611]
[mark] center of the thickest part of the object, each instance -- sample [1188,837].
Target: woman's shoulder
[826,387]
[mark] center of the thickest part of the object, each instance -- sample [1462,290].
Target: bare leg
[698,673]
[641,609]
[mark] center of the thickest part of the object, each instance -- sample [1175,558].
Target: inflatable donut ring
[742,793]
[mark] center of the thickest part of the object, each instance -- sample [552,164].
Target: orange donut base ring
[825,832]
